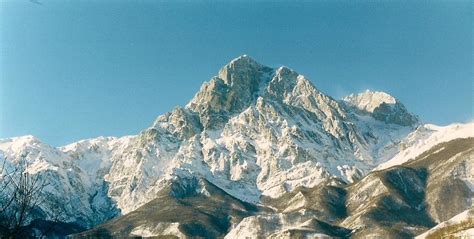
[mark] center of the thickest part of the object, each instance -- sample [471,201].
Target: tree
[20,194]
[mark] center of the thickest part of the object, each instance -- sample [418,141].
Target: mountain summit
[381,106]
[370,100]
[263,142]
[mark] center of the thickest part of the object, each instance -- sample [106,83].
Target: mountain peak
[243,61]
[17,143]
[234,88]
[370,100]
[243,58]
[382,106]
[242,68]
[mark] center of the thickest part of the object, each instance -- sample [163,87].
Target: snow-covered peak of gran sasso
[381,106]
[370,100]
[251,130]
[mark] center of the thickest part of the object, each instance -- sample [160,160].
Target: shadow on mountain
[404,201]
[401,204]
[326,202]
[39,228]
[188,207]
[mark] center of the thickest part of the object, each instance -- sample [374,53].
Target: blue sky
[79,69]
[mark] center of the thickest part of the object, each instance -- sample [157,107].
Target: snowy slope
[466,217]
[424,138]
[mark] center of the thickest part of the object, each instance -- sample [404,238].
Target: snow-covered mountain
[252,131]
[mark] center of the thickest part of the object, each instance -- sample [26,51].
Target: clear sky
[79,69]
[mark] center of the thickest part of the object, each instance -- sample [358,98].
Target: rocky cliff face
[256,133]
